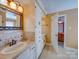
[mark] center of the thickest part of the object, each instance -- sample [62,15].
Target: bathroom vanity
[21,50]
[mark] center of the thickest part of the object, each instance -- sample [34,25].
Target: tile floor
[49,53]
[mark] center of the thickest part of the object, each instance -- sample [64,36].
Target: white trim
[41,6]
[54,43]
[48,44]
[60,10]
[68,48]
[65,27]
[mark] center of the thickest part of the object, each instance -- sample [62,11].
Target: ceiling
[52,6]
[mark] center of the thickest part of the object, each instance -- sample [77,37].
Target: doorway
[61,27]
[55,30]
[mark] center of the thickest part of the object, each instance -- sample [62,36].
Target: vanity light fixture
[20,8]
[13,5]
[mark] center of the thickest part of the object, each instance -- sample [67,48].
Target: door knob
[56,35]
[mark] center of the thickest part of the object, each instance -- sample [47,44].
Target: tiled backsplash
[6,36]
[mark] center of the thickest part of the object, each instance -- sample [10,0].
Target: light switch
[70,27]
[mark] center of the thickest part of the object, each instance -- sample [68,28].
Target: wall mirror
[10,19]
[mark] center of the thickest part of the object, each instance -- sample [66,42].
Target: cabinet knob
[0,40]
[56,35]
[39,40]
[33,47]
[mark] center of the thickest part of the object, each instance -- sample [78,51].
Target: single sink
[14,49]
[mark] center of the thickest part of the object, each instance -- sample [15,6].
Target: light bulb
[20,8]
[13,5]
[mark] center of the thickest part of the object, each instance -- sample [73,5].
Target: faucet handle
[14,42]
[0,40]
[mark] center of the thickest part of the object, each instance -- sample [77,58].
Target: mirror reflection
[12,19]
[9,19]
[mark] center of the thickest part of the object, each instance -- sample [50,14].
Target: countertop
[29,43]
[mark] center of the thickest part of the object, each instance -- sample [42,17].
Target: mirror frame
[13,11]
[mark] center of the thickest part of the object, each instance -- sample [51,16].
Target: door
[33,52]
[25,54]
[38,31]
[54,32]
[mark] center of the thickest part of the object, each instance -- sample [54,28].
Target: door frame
[54,35]
[65,27]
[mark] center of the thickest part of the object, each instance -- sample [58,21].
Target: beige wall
[71,27]
[29,15]
[46,27]
[29,21]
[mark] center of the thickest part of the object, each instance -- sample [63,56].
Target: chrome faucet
[12,42]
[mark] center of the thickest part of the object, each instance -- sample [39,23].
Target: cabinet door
[33,53]
[39,47]
[25,54]
[38,31]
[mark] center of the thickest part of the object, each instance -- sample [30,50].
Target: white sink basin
[14,49]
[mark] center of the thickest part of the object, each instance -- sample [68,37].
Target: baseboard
[48,44]
[69,48]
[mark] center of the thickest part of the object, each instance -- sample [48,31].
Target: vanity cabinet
[28,53]
[39,47]
[33,53]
